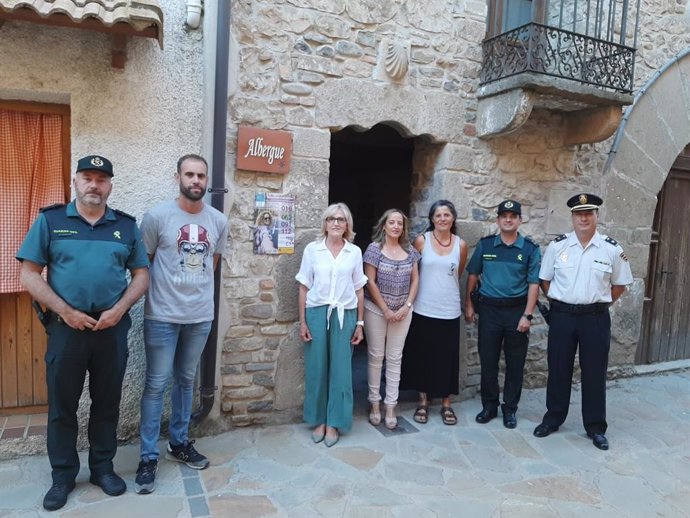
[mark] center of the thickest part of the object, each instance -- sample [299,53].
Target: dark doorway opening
[370,172]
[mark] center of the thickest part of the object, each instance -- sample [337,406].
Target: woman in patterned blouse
[390,264]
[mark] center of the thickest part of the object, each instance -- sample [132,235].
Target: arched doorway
[666,313]
[370,171]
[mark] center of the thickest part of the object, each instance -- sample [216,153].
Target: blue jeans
[171,350]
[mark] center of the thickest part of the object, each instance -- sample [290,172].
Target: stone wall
[316,66]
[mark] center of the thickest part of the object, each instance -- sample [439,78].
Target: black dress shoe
[544,429]
[509,419]
[56,497]
[110,483]
[599,440]
[486,415]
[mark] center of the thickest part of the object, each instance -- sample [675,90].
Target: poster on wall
[274,230]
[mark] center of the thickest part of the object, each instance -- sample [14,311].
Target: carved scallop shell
[396,60]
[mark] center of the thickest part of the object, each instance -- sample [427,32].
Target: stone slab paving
[436,471]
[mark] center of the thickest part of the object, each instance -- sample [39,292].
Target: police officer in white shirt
[582,273]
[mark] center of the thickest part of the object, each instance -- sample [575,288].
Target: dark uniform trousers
[498,329]
[592,331]
[70,354]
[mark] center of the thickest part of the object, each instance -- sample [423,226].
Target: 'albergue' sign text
[268,151]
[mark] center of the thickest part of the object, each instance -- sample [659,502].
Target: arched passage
[653,134]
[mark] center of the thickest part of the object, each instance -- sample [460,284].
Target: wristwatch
[409,304]
[528,317]
[360,323]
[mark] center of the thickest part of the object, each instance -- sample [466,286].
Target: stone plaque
[268,151]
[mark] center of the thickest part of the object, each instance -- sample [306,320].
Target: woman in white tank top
[431,355]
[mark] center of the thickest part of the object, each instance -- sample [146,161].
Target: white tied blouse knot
[332,281]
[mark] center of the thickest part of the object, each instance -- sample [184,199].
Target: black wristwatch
[528,317]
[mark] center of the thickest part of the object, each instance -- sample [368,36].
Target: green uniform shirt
[506,270]
[87,265]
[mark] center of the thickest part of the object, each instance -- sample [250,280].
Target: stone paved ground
[466,470]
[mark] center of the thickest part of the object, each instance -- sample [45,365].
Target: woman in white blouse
[331,312]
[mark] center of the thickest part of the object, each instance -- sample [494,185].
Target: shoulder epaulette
[124,214]
[611,241]
[51,207]
[560,238]
[492,237]
[530,240]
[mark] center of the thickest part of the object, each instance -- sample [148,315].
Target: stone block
[230,380]
[245,393]
[299,116]
[358,69]
[366,103]
[308,77]
[266,297]
[297,88]
[312,143]
[326,51]
[240,331]
[647,128]
[260,406]
[373,11]
[230,358]
[258,367]
[349,49]
[263,380]
[327,6]
[257,311]
[246,343]
[632,160]
[318,65]
[457,158]
[332,26]
[275,330]
[449,185]
[289,374]
[621,197]
[503,113]
[626,316]
[366,38]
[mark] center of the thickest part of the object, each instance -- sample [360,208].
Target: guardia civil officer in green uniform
[582,274]
[88,248]
[507,264]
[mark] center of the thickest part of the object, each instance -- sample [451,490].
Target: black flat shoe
[486,415]
[544,430]
[56,497]
[110,483]
[599,440]
[509,420]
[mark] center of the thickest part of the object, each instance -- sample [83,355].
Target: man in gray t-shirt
[184,239]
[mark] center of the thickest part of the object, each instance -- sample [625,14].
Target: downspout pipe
[207,376]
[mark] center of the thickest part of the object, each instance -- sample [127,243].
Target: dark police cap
[510,206]
[95,163]
[584,201]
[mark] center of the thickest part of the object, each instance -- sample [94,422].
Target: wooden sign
[268,151]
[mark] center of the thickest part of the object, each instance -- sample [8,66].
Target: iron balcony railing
[554,52]
[580,40]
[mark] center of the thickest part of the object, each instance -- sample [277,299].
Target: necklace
[444,245]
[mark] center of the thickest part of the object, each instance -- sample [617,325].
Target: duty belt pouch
[544,310]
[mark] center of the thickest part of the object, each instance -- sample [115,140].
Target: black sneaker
[145,482]
[187,454]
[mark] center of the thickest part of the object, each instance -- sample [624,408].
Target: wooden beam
[119,51]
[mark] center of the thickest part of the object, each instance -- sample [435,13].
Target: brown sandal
[448,416]
[421,415]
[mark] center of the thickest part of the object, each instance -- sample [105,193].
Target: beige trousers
[384,339]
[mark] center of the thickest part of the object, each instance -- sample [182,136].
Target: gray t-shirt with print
[183,246]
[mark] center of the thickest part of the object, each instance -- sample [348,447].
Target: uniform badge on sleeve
[623,256]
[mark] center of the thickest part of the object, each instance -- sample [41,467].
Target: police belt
[503,302]
[562,307]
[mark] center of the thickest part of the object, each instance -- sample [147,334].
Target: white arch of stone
[654,131]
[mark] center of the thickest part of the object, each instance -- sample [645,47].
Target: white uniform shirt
[332,280]
[584,275]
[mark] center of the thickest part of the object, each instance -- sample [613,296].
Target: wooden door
[666,316]
[22,337]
